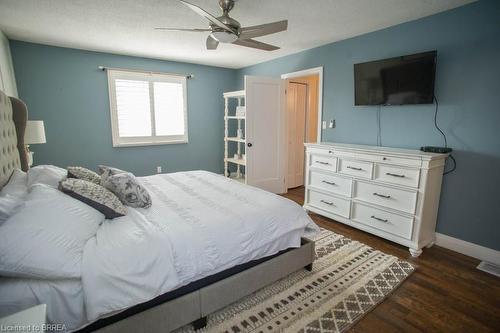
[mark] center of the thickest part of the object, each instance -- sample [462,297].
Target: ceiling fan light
[224,36]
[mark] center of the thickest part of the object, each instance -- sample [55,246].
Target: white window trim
[147,140]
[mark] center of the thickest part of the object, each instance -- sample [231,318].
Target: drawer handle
[327,182]
[327,202]
[394,175]
[381,195]
[379,219]
[324,163]
[354,168]
[330,152]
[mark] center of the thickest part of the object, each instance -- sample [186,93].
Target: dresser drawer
[389,159]
[397,175]
[379,219]
[403,200]
[356,168]
[332,183]
[330,203]
[323,162]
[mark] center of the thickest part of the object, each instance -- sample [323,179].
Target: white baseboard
[469,249]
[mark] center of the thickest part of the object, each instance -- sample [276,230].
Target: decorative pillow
[49,175]
[95,196]
[128,189]
[46,238]
[106,171]
[84,174]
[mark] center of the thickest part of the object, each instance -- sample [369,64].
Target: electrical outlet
[323,124]
[332,123]
[158,169]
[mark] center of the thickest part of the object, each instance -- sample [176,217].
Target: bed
[206,242]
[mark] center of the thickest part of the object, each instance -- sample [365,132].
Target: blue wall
[64,88]
[468,88]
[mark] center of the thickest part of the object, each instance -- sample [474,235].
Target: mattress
[199,224]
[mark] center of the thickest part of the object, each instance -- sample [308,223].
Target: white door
[296,114]
[265,133]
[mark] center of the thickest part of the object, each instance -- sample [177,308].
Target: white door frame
[307,72]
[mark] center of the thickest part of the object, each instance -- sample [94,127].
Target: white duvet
[199,224]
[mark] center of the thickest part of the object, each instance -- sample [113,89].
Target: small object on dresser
[437,150]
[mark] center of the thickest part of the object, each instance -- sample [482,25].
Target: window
[147,108]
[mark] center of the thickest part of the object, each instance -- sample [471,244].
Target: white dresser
[389,192]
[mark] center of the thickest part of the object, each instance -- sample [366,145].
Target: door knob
[249,144]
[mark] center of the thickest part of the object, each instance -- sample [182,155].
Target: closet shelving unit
[229,119]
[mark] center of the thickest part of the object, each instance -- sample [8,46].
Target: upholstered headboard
[13,116]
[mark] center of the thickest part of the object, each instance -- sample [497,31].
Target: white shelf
[234,139]
[240,179]
[235,94]
[239,161]
[236,163]
[235,117]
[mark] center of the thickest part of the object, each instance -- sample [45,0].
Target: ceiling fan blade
[179,29]
[263,29]
[212,43]
[208,16]
[255,44]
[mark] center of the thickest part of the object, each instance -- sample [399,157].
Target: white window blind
[147,108]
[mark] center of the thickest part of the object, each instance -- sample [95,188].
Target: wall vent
[488,267]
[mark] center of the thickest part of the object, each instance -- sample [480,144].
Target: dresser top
[378,150]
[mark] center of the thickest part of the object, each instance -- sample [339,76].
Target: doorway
[302,116]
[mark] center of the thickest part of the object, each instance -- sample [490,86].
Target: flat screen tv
[396,81]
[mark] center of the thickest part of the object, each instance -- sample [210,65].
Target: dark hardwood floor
[445,294]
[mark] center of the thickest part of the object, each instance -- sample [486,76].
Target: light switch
[323,124]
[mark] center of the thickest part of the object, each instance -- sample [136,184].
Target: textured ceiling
[126,26]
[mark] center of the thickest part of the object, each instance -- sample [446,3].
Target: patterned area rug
[348,280]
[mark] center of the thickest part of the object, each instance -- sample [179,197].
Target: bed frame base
[195,306]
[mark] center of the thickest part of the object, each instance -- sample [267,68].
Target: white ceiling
[126,26]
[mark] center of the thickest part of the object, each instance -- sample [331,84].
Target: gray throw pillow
[83,173]
[128,189]
[95,196]
[105,171]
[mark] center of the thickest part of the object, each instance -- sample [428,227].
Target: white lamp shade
[35,132]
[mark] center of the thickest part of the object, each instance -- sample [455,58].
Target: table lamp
[34,134]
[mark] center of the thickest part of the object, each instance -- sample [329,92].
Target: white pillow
[46,174]
[45,239]
[17,186]
[9,205]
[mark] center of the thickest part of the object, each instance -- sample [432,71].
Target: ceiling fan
[225,29]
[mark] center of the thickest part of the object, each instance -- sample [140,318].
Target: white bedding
[199,224]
